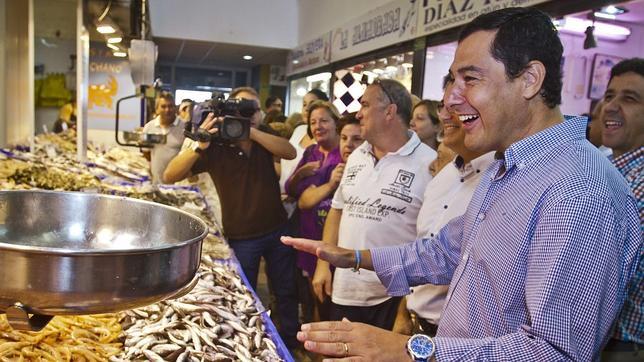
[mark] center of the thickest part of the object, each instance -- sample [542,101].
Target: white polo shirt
[446,197]
[380,203]
[162,154]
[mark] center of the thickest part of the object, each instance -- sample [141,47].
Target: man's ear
[392,110]
[533,77]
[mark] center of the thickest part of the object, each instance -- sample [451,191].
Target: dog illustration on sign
[102,95]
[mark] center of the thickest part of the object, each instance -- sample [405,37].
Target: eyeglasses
[384,90]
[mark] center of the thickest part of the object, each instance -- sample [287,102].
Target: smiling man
[538,264]
[623,131]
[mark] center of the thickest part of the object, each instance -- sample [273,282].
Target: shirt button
[465,256]
[521,165]
[241,153]
[481,216]
[444,206]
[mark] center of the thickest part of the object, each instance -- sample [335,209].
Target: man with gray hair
[378,198]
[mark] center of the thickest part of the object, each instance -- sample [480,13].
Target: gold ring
[346,349]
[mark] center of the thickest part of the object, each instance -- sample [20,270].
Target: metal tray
[144,138]
[65,253]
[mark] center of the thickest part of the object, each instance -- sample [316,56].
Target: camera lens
[234,129]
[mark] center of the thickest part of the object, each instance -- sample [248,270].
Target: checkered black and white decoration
[347,91]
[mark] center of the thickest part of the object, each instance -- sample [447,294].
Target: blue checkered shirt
[630,324]
[539,262]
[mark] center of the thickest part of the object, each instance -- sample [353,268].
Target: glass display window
[299,87]
[438,59]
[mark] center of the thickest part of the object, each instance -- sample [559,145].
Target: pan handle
[185,289]
[19,319]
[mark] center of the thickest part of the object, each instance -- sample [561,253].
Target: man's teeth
[613,124]
[467,117]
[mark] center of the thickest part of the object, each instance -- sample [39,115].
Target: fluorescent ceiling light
[114,39]
[602,30]
[613,10]
[113,47]
[295,61]
[301,91]
[247,57]
[320,77]
[120,54]
[105,29]
[605,16]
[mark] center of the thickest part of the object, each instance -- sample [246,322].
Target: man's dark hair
[523,35]
[270,100]
[187,100]
[635,65]
[347,119]
[163,95]
[319,94]
[398,95]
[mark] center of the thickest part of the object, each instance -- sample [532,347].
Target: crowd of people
[483,226]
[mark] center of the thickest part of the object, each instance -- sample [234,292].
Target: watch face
[421,346]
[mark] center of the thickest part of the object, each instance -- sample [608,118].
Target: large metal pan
[67,253]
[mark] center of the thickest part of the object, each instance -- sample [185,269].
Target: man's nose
[610,106]
[453,96]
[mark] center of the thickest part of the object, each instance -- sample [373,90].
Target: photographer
[252,211]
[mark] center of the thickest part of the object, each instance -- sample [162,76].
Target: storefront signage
[310,55]
[380,27]
[110,79]
[438,15]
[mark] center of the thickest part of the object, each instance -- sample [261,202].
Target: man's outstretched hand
[335,255]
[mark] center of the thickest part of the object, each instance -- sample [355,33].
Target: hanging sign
[110,79]
[438,15]
[309,55]
[386,25]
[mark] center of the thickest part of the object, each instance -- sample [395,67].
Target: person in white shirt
[376,203]
[447,196]
[166,122]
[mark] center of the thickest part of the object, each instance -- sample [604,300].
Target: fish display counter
[220,319]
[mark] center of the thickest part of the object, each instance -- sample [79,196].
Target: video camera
[235,125]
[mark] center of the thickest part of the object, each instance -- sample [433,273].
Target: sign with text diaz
[438,15]
[310,55]
[386,25]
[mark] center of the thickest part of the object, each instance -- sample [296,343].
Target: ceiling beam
[180,51]
[205,56]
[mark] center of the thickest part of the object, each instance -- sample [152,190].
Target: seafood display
[77,338]
[217,321]
[53,178]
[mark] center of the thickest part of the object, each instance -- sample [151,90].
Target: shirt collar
[524,152]
[157,122]
[406,150]
[477,165]
[631,158]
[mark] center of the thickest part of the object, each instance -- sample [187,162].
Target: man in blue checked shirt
[539,263]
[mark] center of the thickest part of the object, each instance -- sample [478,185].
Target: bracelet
[356,269]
